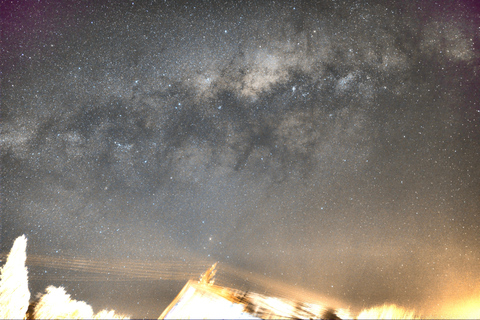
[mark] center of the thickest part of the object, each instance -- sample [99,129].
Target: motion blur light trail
[115,270]
[328,145]
[127,270]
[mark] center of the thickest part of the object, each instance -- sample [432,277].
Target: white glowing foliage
[57,304]
[14,293]
[109,314]
[387,312]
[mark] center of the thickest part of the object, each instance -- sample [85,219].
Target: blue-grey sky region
[328,145]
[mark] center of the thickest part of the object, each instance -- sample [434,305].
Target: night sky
[329,146]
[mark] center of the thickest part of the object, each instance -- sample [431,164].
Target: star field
[330,145]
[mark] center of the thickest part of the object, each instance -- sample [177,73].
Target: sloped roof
[201,300]
[205,301]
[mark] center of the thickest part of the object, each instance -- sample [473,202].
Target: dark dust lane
[330,145]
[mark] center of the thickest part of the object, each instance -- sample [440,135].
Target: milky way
[329,145]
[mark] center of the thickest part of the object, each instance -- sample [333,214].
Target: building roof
[204,300]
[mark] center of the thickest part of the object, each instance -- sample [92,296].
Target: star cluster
[333,144]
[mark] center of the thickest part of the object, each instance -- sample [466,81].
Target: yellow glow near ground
[468,308]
